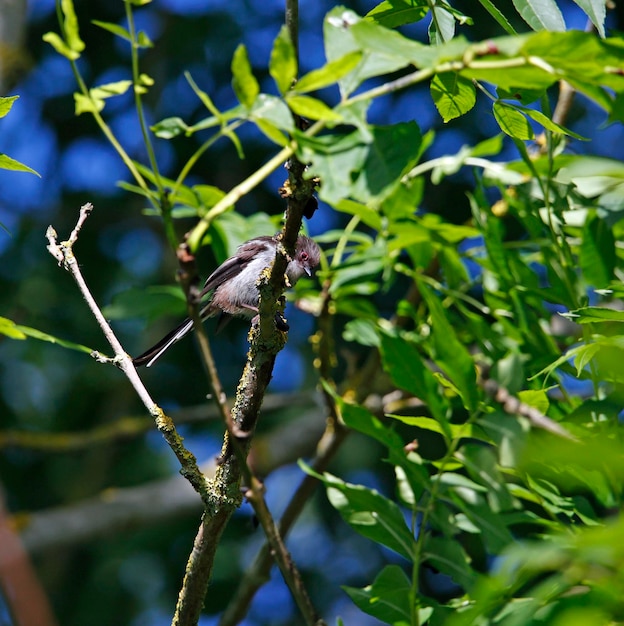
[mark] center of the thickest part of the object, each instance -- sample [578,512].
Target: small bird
[233,286]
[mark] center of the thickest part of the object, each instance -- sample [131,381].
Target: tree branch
[64,254]
[158,502]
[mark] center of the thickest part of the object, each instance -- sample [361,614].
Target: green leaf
[329,74]
[453,95]
[457,431]
[244,82]
[110,89]
[540,14]
[309,107]
[548,124]
[6,104]
[274,111]
[70,27]
[363,169]
[523,95]
[447,556]
[15,331]
[170,127]
[206,101]
[407,370]
[594,314]
[87,104]
[449,353]
[393,13]
[442,26]
[384,50]
[393,152]
[283,62]
[369,513]
[489,6]
[60,46]
[362,420]
[10,329]
[272,133]
[537,398]
[388,598]
[143,40]
[7,163]
[597,254]
[596,11]
[369,216]
[115,29]
[512,122]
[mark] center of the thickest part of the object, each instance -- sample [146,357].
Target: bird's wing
[235,264]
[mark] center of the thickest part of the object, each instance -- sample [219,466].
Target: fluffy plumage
[232,289]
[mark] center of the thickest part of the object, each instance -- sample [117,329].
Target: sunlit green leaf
[170,127]
[274,111]
[6,104]
[452,94]
[283,63]
[512,122]
[393,13]
[120,31]
[60,46]
[16,331]
[329,74]
[244,82]
[369,216]
[498,15]
[352,166]
[87,104]
[70,27]
[110,89]
[7,163]
[548,124]
[311,108]
[540,14]
[442,25]
[536,398]
[596,10]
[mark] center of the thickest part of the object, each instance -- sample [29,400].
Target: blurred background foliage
[132,575]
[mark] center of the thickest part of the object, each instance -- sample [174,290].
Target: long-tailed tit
[233,286]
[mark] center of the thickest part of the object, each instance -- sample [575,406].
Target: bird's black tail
[148,357]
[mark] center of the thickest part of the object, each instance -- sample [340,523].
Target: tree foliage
[466,335]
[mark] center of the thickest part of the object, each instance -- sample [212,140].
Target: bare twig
[281,555]
[515,406]
[64,254]
[130,427]
[259,571]
[124,509]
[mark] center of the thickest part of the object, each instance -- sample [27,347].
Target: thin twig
[159,502]
[260,569]
[129,427]
[64,254]
[515,406]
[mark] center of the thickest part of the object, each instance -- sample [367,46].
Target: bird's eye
[304,256]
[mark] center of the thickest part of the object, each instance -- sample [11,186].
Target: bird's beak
[307,270]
